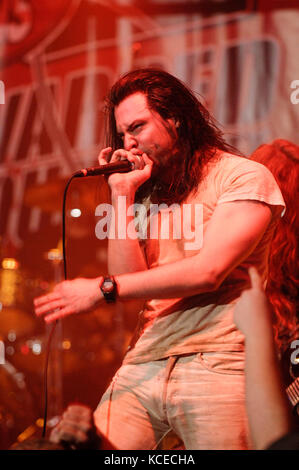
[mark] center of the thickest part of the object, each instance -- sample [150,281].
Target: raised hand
[252,310]
[76,429]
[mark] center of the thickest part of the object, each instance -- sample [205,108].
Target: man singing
[184,370]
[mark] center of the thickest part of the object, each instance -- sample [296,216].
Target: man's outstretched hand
[68,298]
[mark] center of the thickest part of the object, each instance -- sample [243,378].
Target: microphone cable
[48,350]
[122,166]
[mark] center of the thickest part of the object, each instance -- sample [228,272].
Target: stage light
[75,213]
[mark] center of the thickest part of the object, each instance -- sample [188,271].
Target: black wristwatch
[108,287]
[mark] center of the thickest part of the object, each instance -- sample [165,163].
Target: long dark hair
[198,135]
[282,159]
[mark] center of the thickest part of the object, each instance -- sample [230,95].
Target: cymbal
[81,194]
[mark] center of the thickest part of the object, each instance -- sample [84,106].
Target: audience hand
[76,429]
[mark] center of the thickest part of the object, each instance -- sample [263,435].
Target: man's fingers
[49,307]
[103,157]
[119,154]
[147,160]
[45,299]
[136,151]
[63,312]
[255,279]
[134,156]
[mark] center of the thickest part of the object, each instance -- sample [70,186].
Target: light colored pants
[201,397]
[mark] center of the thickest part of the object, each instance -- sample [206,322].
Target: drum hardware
[14,299]
[16,404]
[34,430]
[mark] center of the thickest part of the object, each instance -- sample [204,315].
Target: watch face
[109,289]
[108,286]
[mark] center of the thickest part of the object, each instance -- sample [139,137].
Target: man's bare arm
[233,232]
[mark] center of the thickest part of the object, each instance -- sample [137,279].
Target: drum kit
[24,337]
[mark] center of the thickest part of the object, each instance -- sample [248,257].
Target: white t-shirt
[204,323]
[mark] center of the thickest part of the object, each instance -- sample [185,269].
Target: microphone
[122,166]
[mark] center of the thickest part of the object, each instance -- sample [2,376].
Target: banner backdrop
[58,59]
